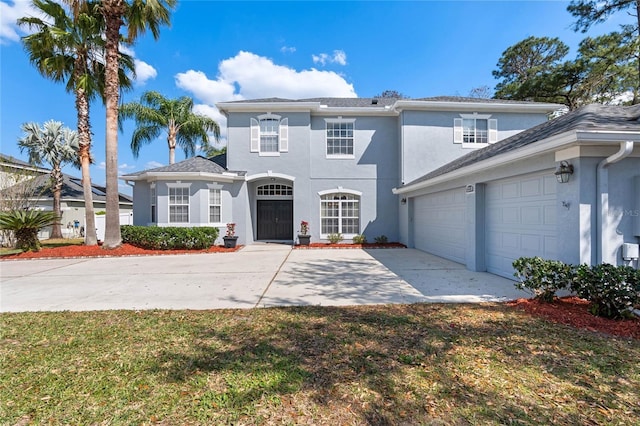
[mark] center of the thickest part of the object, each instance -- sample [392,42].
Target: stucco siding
[427,138]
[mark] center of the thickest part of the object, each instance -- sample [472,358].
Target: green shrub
[359,239]
[169,238]
[543,277]
[612,290]
[382,239]
[335,238]
[25,225]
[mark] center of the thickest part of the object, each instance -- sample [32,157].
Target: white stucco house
[452,176]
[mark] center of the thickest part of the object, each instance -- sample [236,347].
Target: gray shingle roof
[381,102]
[71,189]
[330,102]
[194,164]
[472,100]
[590,117]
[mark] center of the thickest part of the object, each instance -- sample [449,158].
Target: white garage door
[520,221]
[439,224]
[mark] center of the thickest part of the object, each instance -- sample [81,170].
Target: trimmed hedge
[169,238]
[612,290]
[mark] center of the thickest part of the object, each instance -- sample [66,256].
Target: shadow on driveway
[441,280]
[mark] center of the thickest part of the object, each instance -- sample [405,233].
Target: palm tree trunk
[171,140]
[56,177]
[113,11]
[84,154]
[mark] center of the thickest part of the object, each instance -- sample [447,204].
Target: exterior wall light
[403,201]
[563,172]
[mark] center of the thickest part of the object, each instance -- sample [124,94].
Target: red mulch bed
[350,246]
[98,251]
[574,311]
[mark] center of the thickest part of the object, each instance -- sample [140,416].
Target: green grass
[401,364]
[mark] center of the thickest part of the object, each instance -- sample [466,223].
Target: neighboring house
[333,162]
[33,190]
[496,204]
[13,171]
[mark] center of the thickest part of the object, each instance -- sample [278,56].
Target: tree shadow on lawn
[408,364]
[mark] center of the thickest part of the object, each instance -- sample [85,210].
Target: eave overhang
[156,176]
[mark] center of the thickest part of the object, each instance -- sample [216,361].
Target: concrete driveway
[257,276]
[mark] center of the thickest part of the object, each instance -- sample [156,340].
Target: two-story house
[333,162]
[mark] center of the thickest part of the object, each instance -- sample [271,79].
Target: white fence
[125,219]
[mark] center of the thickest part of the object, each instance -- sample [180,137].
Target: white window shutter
[255,135]
[493,130]
[457,130]
[284,135]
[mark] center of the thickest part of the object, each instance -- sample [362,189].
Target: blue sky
[220,51]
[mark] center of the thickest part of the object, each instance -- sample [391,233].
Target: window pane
[269,133]
[339,138]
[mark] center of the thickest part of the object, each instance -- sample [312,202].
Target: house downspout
[602,194]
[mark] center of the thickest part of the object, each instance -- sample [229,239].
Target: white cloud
[144,72]
[338,57]
[287,49]
[250,76]
[9,14]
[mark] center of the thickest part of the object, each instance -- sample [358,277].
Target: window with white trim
[340,213]
[269,135]
[274,190]
[340,136]
[178,204]
[475,130]
[154,208]
[215,205]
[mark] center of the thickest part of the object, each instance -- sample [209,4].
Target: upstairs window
[340,136]
[269,135]
[475,130]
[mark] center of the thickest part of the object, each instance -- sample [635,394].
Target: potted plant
[303,237]
[230,239]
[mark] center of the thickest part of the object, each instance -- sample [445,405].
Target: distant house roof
[590,117]
[196,164]
[7,160]
[71,189]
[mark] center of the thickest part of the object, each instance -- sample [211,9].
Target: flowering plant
[304,227]
[231,229]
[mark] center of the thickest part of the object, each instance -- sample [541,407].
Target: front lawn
[400,364]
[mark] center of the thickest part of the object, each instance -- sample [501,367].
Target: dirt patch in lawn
[574,311]
[99,251]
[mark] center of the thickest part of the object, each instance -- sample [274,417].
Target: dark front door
[275,220]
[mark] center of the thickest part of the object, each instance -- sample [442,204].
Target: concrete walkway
[256,276]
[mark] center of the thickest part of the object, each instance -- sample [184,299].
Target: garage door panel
[440,222]
[521,221]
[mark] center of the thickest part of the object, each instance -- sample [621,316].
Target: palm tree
[136,16]
[56,146]
[69,48]
[155,114]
